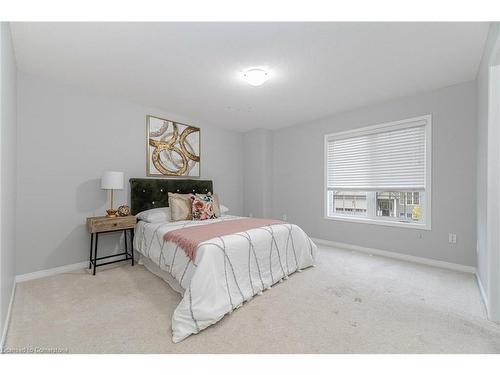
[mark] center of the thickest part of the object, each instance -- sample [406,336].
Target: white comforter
[227,271]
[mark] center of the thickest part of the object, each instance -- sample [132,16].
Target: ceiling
[194,69]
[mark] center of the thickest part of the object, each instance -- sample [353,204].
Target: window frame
[426,203]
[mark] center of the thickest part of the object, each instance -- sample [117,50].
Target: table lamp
[111,181]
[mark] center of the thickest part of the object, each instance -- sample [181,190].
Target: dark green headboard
[147,193]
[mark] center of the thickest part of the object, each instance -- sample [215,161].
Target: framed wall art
[173,149]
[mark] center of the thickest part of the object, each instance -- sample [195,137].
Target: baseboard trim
[51,271]
[483,295]
[7,318]
[399,256]
[33,276]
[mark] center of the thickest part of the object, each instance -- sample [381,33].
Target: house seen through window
[380,173]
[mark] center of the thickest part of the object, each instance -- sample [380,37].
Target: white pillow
[223,209]
[155,215]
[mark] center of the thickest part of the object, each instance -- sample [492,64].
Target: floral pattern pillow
[203,207]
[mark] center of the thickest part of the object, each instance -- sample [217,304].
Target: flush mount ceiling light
[256,77]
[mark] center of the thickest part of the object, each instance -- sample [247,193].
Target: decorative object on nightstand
[104,224]
[111,181]
[123,210]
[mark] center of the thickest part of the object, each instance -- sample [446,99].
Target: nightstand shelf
[103,224]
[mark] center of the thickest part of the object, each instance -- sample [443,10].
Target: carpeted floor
[348,303]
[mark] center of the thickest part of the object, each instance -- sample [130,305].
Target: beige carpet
[348,303]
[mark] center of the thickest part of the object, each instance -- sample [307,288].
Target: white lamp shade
[112,180]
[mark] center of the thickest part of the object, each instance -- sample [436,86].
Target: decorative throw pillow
[203,207]
[180,206]
[215,199]
[217,208]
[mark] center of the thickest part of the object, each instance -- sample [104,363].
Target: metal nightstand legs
[93,248]
[131,245]
[95,252]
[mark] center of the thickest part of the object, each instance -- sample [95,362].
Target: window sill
[379,222]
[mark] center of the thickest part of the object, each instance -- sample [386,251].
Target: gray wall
[67,138]
[488,175]
[258,175]
[8,79]
[299,173]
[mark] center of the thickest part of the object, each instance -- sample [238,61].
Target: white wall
[488,175]
[299,173]
[8,79]
[258,172]
[67,138]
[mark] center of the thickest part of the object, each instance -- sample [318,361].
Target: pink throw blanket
[190,237]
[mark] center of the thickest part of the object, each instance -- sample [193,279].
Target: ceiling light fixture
[256,77]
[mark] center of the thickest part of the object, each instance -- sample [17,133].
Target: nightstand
[103,224]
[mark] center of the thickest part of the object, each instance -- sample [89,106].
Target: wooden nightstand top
[99,224]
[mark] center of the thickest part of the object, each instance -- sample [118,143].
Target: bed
[228,270]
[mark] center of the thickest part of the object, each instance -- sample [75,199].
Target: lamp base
[111,213]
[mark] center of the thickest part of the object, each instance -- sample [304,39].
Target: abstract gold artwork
[173,149]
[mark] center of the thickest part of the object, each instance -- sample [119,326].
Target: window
[380,174]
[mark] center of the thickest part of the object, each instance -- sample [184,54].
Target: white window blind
[378,158]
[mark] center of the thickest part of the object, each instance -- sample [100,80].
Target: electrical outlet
[250,214]
[452,238]
[420,235]
[285,218]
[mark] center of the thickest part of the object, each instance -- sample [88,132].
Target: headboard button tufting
[143,191]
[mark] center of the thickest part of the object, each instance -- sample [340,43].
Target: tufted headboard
[147,193]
